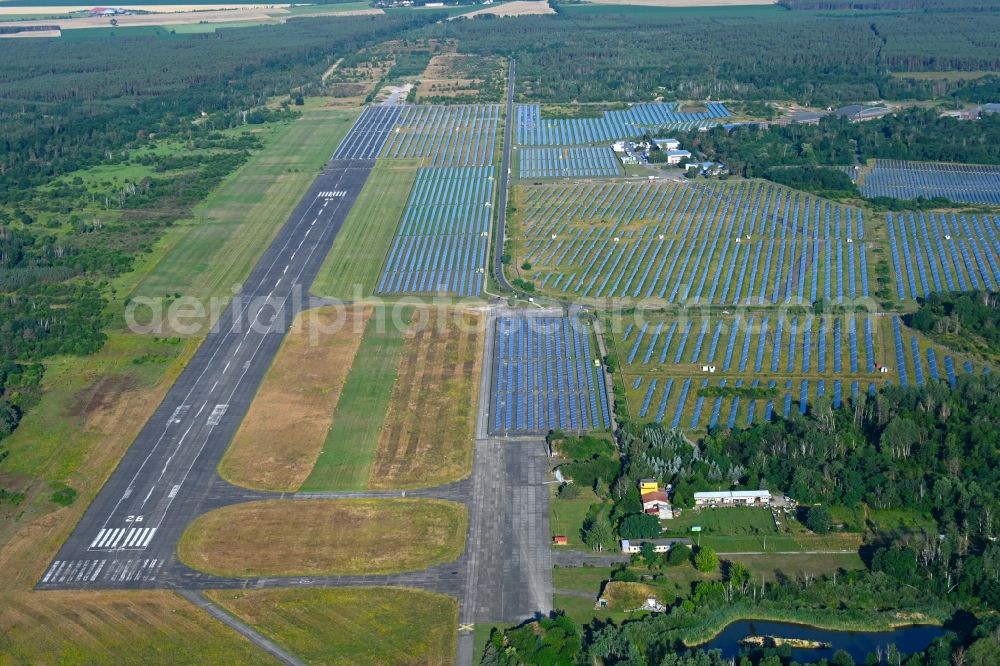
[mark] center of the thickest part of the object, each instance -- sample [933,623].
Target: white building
[733,498]
[667,144]
[659,545]
[675,156]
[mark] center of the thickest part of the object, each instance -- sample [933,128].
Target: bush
[678,555]
[639,526]
[818,519]
[569,491]
[705,559]
[63,496]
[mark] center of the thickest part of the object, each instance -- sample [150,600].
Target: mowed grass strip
[325,537]
[100,627]
[353,266]
[428,432]
[207,255]
[284,430]
[346,459]
[382,625]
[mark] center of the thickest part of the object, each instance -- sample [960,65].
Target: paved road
[128,536]
[501,221]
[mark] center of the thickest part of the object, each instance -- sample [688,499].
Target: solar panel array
[369,133]
[544,377]
[937,252]
[963,183]
[749,243]
[452,135]
[579,162]
[682,372]
[441,242]
[530,129]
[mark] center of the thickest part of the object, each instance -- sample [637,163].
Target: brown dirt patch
[101,395]
[459,75]
[428,431]
[325,537]
[284,430]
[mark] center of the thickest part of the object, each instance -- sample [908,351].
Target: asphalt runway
[128,536]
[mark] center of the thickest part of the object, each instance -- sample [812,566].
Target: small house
[657,504]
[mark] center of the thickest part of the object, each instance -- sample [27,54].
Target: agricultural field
[442,240]
[459,135]
[545,377]
[348,626]
[750,243]
[427,434]
[579,162]
[532,129]
[961,183]
[730,371]
[281,436]
[324,537]
[936,252]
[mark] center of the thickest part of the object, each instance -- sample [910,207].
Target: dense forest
[911,134]
[593,54]
[892,5]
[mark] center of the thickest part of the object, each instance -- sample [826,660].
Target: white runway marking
[217,412]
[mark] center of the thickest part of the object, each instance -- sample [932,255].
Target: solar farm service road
[168,475]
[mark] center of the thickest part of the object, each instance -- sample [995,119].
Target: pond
[858,644]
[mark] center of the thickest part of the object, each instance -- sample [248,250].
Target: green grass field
[207,255]
[354,264]
[347,455]
[351,625]
[566,516]
[729,521]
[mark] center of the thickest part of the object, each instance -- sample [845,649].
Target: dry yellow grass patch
[325,537]
[626,596]
[150,627]
[284,430]
[515,8]
[685,3]
[427,435]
